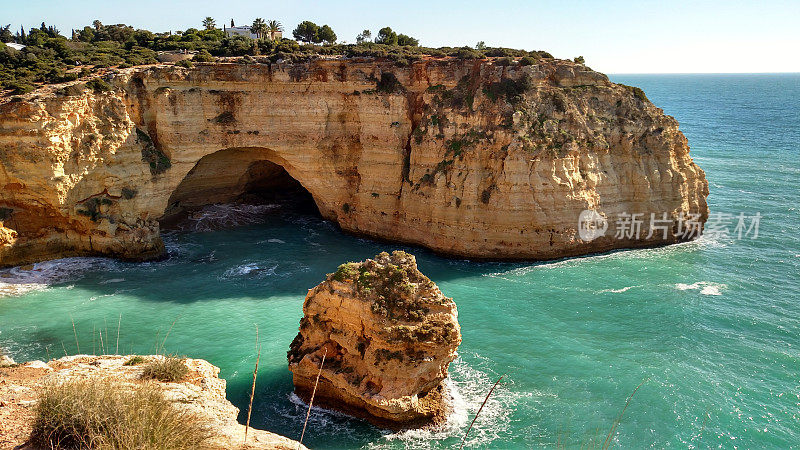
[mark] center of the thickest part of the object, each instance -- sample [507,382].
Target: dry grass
[105,414]
[169,369]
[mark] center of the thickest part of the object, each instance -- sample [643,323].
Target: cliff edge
[201,394]
[471,158]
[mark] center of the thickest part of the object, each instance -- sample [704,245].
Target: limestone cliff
[469,158]
[388,336]
[201,394]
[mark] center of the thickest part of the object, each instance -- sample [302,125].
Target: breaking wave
[467,387]
[705,287]
[37,277]
[221,216]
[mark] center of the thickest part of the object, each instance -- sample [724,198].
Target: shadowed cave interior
[238,177]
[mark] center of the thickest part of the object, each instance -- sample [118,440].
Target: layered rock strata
[202,393]
[466,157]
[388,336]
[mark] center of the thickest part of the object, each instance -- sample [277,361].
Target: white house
[15,46]
[245,31]
[239,31]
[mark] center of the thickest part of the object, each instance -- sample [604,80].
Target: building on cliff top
[245,31]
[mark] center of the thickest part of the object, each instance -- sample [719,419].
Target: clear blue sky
[614,36]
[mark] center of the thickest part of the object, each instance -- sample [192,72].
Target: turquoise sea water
[711,328]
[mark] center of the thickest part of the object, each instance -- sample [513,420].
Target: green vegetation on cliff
[49,57]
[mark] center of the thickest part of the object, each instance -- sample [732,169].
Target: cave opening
[235,187]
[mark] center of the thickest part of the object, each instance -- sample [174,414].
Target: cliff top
[44,57]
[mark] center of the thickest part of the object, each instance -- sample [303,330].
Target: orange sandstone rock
[388,336]
[465,157]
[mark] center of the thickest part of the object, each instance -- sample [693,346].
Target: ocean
[708,330]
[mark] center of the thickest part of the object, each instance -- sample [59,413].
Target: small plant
[203,56]
[185,63]
[510,89]
[346,272]
[505,61]
[637,92]
[98,85]
[156,159]
[389,84]
[105,414]
[169,369]
[135,361]
[128,193]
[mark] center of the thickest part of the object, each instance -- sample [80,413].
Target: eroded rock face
[388,336]
[202,393]
[468,158]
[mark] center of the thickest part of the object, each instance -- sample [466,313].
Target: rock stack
[388,336]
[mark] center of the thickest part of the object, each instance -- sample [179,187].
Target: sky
[713,36]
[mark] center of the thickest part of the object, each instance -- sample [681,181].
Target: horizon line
[702,73]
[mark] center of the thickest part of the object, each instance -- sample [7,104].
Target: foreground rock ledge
[389,336]
[202,393]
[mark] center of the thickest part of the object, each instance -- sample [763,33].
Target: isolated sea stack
[388,336]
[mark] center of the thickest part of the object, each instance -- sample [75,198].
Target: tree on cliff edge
[386,36]
[326,35]
[364,36]
[209,23]
[259,28]
[306,31]
[273,28]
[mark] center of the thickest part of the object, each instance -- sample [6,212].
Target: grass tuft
[170,369]
[105,414]
[135,361]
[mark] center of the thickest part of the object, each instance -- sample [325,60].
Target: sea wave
[249,269]
[467,387]
[703,243]
[705,287]
[20,280]
[616,291]
[220,216]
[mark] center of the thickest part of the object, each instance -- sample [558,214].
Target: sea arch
[241,175]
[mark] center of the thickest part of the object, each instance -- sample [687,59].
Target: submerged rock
[388,336]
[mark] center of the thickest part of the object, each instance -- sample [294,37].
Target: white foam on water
[616,291]
[276,241]
[216,217]
[702,243]
[113,280]
[705,287]
[248,269]
[40,276]
[467,387]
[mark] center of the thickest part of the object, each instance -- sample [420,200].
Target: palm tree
[259,27]
[273,28]
[209,23]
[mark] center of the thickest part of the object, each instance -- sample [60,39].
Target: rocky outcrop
[202,393]
[467,157]
[388,336]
